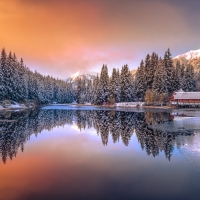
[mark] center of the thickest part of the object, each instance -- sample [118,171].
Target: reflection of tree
[17,127]
[103,125]
[155,141]
[156,118]
[127,126]
[115,125]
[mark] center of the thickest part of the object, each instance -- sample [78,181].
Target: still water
[64,153]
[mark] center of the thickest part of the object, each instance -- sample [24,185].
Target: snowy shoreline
[113,107]
[19,108]
[7,105]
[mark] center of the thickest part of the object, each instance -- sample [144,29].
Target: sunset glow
[62,37]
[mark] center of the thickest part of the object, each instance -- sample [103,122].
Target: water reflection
[17,127]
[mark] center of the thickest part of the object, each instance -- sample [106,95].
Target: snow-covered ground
[13,105]
[130,104]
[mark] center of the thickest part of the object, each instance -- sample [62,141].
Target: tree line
[120,87]
[157,78]
[155,81]
[19,83]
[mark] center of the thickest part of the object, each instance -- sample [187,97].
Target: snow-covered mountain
[191,57]
[84,75]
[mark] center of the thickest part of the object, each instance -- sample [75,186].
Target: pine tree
[3,84]
[114,86]
[95,89]
[15,89]
[117,88]
[9,76]
[148,72]
[140,82]
[78,90]
[169,68]
[182,74]
[160,78]
[103,86]
[22,84]
[125,84]
[189,79]
[89,92]
[83,91]
[177,76]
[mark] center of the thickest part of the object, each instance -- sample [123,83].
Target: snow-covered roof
[187,95]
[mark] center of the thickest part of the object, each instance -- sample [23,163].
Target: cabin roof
[186,95]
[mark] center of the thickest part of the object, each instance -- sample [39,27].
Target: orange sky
[61,37]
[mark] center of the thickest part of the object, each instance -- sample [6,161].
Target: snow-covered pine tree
[160,79]
[71,93]
[103,86]
[3,84]
[117,87]
[154,60]
[9,77]
[177,78]
[89,91]
[95,90]
[148,72]
[169,68]
[140,82]
[83,91]
[15,94]
[22,85]
[182,74]
[189,84]
[114,86]
[133,88]
[125,85]
[78,90]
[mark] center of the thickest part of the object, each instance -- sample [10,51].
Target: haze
[61,37]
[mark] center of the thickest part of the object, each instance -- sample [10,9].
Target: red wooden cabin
[185,98]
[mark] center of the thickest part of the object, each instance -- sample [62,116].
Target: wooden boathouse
[185,99]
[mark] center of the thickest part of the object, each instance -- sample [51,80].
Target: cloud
[59,37]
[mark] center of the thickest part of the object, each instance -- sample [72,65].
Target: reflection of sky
[68,164]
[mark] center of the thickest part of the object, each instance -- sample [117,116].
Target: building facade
[181,98]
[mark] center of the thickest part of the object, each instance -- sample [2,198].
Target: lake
[65,152]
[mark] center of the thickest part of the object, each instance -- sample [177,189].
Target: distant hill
[84,75]
[191,58]
[133,72]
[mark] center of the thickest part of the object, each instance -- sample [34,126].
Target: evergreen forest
[154,82]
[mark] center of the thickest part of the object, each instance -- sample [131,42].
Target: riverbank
[13,109]
[105,107]
[14,106]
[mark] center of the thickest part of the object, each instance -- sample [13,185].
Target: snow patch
[194,54]
[83,74]
[130,104]
[13,105]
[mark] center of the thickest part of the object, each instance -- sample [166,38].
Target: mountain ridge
[189,58]
[82,74]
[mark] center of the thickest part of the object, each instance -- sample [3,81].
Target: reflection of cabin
[185,99]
